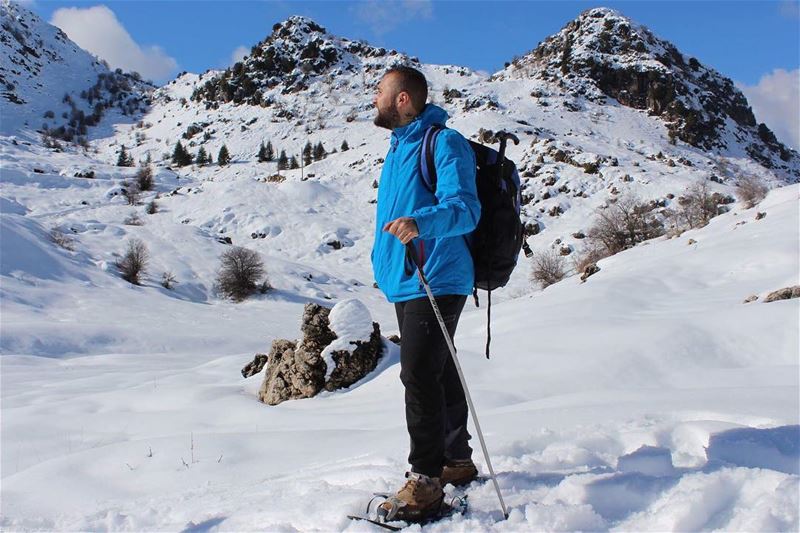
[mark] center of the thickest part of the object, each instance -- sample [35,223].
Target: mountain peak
[297,52]
[603,54]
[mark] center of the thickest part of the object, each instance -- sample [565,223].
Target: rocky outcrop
[783,294]
[322,360]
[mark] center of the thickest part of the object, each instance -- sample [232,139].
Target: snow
[648,398]
[351,322]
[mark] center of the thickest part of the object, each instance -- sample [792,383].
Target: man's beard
[389,119]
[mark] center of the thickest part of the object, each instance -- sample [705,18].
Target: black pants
[436,409]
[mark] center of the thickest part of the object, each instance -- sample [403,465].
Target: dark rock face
[297,370]
[255,366]
[352,366]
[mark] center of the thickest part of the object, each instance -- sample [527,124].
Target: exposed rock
[299,369]
[691,242]
[759,216]
[394,338]
[255,366]
[589,270]
[783,294]
[751,298]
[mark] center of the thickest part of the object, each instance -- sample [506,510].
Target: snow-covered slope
[656,350]
[47,82]
[123,406]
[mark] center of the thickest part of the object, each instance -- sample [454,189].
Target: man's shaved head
[411,81]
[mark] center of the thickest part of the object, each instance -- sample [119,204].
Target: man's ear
[403,97]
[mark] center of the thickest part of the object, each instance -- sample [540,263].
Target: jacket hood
[432,114]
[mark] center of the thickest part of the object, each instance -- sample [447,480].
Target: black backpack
[496,241]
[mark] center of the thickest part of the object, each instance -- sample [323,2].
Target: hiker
[435,223]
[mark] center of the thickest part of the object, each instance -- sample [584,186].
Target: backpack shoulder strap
[426,156]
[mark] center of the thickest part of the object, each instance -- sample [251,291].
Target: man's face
[386,104]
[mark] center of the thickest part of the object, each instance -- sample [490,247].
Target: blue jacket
[442,218]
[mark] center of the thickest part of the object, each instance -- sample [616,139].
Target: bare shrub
[239,273]
[548,267]
[132,193]
[152,208]
[590,255]
[625,223]
[134,263]
[133,220]
[168,280]
[696,207]
[62,239]
[144,178]
[751,191]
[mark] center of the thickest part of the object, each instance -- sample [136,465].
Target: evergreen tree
[262,153]
[307,153]
[283,161]
[180,156]
[345,147]
[201,157]
[223,158]
[124,159]
[270,152]
[293,163]
[319,152]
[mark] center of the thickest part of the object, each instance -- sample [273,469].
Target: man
[436,409]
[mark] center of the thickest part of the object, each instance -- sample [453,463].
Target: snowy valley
[649,397]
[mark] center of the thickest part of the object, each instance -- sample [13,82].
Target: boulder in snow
[339,347]
[783,294]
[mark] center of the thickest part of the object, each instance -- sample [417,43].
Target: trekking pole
[412,252]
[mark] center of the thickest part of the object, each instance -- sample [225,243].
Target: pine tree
[223,158]
[293,163]
[270,152]
[262,153]
[345,147]
[124,159]
[319,152]
[307,153]
[180,156]
[201,157]
[283,161]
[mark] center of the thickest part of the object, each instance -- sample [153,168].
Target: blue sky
[742,39]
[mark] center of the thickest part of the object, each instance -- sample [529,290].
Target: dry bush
[622,225]
[62,239]
[132,193]
[696,207]
[133,220]
[239,273]
[144,178]
[134,263]
[168,280]
[589,256]
[548,267]
[152,208]
[751,190]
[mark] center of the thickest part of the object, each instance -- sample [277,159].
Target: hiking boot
[420,498]
[459,472]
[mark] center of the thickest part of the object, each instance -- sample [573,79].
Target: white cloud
[383,16]
[97,30]
[239,54]
[776,102]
